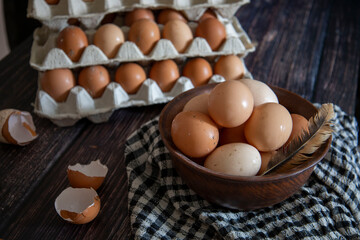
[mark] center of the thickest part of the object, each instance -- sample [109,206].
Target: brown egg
[230,67]
[137,14]
[261,92]
[130,76]
[265,158]
[165,73]
[58,83]
[109,38]
[52,2]
[194,133]
[300,124]
[179,33]
[239,159]
[94,79]
[232,135]
[230,103]
[73,41]
[269,127]
[213,31]
[198,103]
[145,34]
[207,14]
[168,14]
[198,70]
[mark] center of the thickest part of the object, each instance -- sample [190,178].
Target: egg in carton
[79,104]
[45,55]
[90,13]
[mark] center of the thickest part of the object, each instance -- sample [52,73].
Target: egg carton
[90,14]
[79,104]
[45,55]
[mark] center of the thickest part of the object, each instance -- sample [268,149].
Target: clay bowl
[234,192]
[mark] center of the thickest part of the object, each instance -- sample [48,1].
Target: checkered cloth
[161,206]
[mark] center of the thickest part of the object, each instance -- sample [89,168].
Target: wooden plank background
[309,47]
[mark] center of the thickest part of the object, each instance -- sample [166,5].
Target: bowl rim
[205,171]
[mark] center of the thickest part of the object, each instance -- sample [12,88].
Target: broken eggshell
[86,176]
[17,127]
[78,205]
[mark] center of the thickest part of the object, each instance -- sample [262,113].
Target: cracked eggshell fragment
[17,127]
[87,176]
[78,205]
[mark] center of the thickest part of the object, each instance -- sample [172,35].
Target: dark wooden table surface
[309,47]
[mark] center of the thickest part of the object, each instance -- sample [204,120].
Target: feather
[300,149]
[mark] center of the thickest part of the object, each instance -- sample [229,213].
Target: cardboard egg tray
[80,104]
[91,13]
[46,56]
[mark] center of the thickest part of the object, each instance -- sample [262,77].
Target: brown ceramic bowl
[235,192]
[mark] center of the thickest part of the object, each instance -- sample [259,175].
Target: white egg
[262,93]
[238,159]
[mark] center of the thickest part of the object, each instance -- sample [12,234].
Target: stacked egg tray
[79,104]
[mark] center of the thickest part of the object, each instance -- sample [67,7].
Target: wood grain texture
[21,168]
[290,35]
[106,142]
[309,47]
[340,59]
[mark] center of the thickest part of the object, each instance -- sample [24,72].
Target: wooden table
[309,47]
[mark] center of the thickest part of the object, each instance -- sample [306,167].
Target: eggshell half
[78,205]
[87,176]
[16,127]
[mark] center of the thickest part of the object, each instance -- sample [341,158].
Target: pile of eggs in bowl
[236,128]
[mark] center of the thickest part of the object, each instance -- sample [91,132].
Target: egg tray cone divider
[45,55]
[236,192]
[79,104]
[90,14]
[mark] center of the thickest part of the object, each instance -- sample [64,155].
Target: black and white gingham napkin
[161,206]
